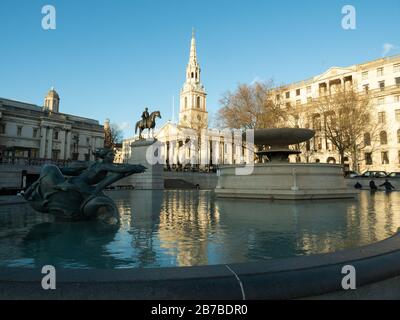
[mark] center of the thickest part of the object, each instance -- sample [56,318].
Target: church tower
[193,113]
[52,101]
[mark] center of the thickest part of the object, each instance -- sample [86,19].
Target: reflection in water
[182,228]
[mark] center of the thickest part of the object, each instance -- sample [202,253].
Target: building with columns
[31,132]
[191,141]
[380,80]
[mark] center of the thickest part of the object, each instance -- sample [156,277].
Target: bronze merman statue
[147,122]
[79,196]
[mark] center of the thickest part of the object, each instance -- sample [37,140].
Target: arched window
[185,102]
[367,139]
[192,75]
[398,136]
[198,102]
[383,137]
[331,160]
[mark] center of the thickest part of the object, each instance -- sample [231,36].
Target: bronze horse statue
[148,123]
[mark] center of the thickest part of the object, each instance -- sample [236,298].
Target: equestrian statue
[148,122]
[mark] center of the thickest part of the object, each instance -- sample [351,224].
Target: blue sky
[110,59]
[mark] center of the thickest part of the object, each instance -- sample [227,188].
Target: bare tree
[252,106]
[345,117]
[113,136]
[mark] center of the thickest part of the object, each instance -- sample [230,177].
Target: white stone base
[153,177]
[285,181]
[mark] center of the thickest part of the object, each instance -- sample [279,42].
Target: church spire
[193,112]
[193,68]
[193,54]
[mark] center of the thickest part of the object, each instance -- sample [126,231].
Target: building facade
[380,80]
[190,142]
[31,132]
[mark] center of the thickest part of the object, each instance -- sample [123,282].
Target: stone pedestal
[285,181]
[153,177]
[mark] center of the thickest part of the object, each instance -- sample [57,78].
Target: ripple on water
[184,228]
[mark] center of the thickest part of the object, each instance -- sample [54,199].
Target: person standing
[388,186]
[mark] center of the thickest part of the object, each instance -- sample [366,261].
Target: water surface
[186,228]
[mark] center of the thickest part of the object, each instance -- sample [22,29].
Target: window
[382,117]
[368,158]
[2,128]
[198,102]
[185,102]
[55,135]
[398,136]
[379,72]
[317,122]
[397,114]
[278,97]
[397,81]
[364,75]
[55,155]
[366,88]
[319,144]
[367,139]
[287,94]
[385,157]
[382,85]
[381,101]
[34,133]
[308,89]
[396,98]
[19,131]
[383,137]
[87,140]
[298,92]
[396,67]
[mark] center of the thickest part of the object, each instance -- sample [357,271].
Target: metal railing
[23,161]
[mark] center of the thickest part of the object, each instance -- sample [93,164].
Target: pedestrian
[388,186]
[372,185]
[358,185]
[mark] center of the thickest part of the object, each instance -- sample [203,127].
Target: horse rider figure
[148,122]
[145,115]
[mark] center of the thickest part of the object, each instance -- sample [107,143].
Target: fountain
[276,178]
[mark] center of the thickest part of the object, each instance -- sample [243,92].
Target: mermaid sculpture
[79,196]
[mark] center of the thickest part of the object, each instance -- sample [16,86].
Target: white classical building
[31,132]
[380,79]
[190,141]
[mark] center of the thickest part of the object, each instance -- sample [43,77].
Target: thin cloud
[387,48]
[257,79]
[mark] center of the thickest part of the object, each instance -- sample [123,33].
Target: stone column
[62,149]
[68,146]
[42,150]
[49,143]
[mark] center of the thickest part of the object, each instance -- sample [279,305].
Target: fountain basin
[284,181]
[282,136]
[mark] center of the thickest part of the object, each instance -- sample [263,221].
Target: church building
[190,143]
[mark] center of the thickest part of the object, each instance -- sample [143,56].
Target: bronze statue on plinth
[148,122]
